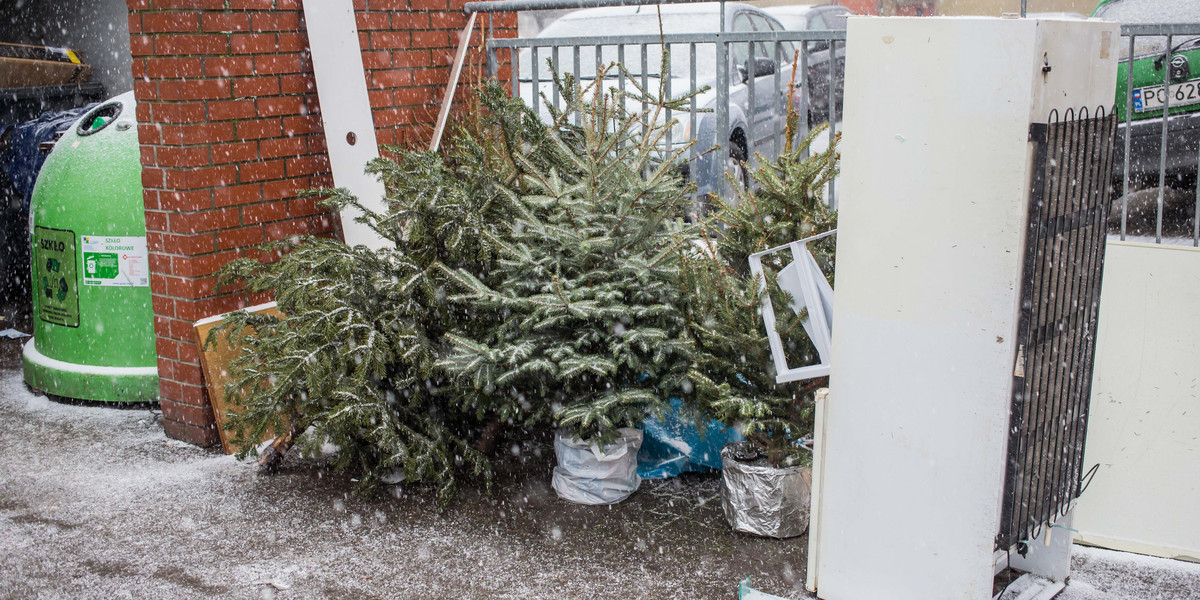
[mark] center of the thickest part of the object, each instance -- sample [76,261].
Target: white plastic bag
[588,474]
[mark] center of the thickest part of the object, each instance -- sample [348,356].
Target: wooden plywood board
[16,72]
[215,363]
[22,65]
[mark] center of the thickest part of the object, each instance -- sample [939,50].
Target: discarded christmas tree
[353,365]
[734,373]
[587,280]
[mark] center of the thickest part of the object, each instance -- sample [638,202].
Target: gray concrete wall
[98,28]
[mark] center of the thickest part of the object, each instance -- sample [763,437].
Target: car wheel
[735,168]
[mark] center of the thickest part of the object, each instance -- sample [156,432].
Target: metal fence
[1156,166]
[743,116]
[1158,152]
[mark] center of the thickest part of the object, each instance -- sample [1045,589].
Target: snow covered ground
[96,503]
[1103,575]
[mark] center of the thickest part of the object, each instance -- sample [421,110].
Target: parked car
[817,18]
[803,17]
[763,134]
[1151,67]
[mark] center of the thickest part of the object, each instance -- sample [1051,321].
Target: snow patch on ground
[1099,574]
[95,502]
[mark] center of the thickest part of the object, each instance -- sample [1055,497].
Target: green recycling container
[93,333]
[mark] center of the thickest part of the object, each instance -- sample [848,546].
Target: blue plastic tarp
[675,445]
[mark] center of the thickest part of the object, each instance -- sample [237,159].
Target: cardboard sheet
[215,363]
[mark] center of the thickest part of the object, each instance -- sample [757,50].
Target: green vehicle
[1151,66]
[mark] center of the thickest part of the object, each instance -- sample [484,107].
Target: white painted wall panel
[1144,428]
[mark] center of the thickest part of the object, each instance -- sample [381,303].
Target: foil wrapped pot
[761,499]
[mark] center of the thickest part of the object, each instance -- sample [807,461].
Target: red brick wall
[230,129]
[903,8]
[861,7]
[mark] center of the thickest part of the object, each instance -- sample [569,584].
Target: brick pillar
[230,129]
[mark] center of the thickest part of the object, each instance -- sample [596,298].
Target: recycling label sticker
[115,261]
[54,271]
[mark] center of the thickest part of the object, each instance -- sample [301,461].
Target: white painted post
[345,110]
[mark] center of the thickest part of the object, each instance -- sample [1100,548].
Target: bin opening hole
[99,118]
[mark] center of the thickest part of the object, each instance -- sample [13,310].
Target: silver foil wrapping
[588,474]
[763,500]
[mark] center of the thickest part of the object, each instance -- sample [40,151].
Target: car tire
[735,162]
[735,166]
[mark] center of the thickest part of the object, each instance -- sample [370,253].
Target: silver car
[821,17]
[757,129]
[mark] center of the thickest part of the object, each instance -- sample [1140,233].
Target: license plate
[1153,97]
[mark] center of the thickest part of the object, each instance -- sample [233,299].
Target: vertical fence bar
[513,65]
[554,50]
[780,101]
[491,49]
[666,79]
[599,65]
[645,80]
[721,135]
[621,73]
[804,108]
[1162,159]
[1128,136]
[621,82]
[692,90]
[1196,214]
[533,78]
[596,80]
[751,102]
[575,71]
